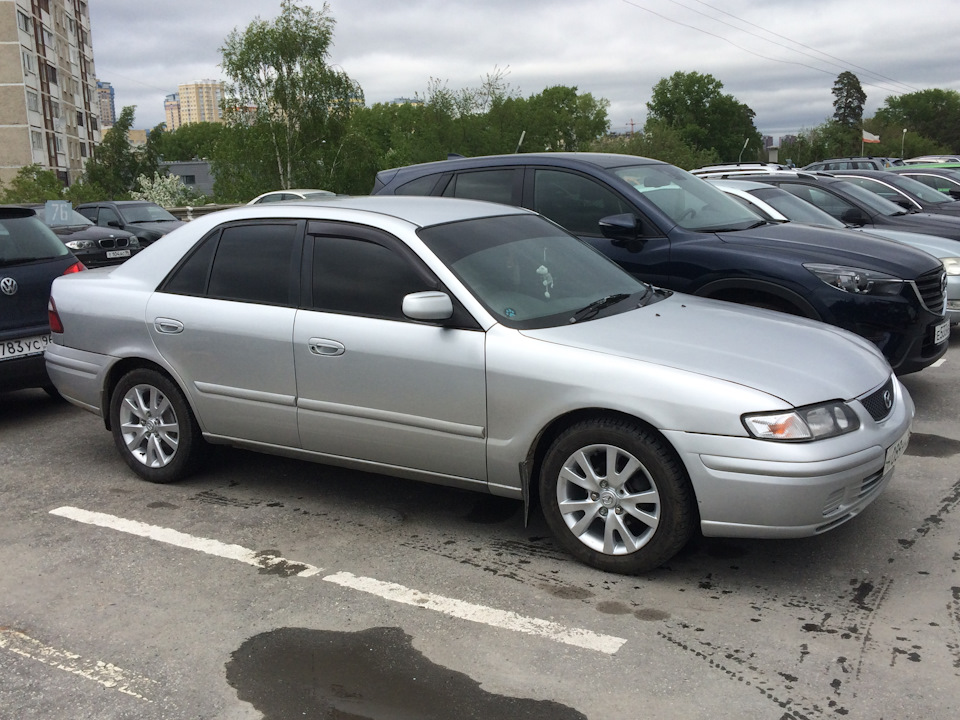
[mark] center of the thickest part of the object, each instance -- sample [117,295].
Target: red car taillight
[76,267]
[55,323]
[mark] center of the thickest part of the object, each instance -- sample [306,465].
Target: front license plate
[118,253]
[22,347]
[941,332]
[895,451]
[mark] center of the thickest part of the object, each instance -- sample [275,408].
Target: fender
[802,305]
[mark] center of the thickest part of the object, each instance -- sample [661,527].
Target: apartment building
[49,108]
[106,101]
[194,102]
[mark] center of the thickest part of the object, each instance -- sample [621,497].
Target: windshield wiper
[597,305]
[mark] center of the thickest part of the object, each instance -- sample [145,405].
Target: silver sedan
[480,346]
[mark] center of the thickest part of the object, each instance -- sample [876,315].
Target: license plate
[22,347]
[118,253]
[941,332]
[895,451]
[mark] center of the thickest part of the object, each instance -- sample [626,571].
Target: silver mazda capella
[483,347]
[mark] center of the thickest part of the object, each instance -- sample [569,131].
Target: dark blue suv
[677,231]
[31,256]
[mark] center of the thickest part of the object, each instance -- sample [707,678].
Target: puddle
[367,675]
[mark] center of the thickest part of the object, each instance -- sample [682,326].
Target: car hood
[797,360]
[159,227]
[939,247]
[846,247]
[933,224]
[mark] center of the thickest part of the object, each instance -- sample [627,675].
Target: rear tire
[616,497]
[153,427]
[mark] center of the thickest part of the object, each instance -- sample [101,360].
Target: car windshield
[147,212]
[871,200]
[529,273]
[795,209]
[689,201]
[924,192]
[23,238]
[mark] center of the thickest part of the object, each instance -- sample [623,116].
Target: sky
[779,57]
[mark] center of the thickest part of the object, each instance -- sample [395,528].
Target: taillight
[75,268]
[56,325]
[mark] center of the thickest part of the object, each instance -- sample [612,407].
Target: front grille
[110,243]
[931,287]
[880,402]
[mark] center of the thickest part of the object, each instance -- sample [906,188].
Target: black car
[95,246]
[677,231]
[147,220]
[855,163]
[903,191]
[944,179]
[31,256]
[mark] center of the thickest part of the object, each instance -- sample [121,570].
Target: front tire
[616,497]
[153,427]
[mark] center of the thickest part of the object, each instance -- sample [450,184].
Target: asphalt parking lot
[271,588]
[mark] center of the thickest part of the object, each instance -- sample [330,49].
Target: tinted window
[190,277]
[420,186]
[356,276]
[254,263]
[828,202]
[107,216]
[575,202]
[492,185]
[90,212]
[24,238]
[881,189]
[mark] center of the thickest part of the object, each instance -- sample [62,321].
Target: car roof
[738,183]
[601,160]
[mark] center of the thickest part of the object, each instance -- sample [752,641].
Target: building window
[36,139]
[55,109]
[93,122]
[80,118]
[83,149]
[59,144]
[23,22]
[27,62]
[51,74]
[189,179]
[33,101]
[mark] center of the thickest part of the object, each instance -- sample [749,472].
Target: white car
[481,346]
[295,194]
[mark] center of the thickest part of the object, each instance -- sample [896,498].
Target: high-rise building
[49,111]
[108,108]
[194,102]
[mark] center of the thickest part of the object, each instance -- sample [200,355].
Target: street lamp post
[742,149]
[902,138]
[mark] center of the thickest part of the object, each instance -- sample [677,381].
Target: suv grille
[931,289]
[876,402]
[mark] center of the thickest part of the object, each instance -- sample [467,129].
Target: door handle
[327,348]
[168,326]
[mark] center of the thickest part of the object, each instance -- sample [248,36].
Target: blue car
[31,256]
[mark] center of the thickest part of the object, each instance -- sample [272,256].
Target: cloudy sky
[780,57]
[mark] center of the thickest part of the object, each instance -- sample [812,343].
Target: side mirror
[854,216]
[620,228]
[113,223]
[955,194]
[428,305]
[904,203]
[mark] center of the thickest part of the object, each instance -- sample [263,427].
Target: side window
[492,185]
[361,277]
[420,186]
[574,202]
[250,263]
[107,216]
[90,213]
[884,191]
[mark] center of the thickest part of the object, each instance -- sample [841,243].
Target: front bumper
[757,489]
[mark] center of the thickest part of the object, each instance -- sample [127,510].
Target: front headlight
[133,241]
[856,280]
[810,423]
[951,265]
[80,244]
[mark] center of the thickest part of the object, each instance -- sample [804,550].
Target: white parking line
[174,537]
[504,619]
[107,674]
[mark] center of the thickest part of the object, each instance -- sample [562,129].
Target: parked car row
[572,323]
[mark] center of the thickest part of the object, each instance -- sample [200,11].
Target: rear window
[24,238]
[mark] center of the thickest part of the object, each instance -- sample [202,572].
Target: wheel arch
[532,465]
[121,368]
[745,290]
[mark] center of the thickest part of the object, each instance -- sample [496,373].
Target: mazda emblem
[9,286]
[887,399]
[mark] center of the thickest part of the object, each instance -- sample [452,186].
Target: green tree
[33,184]
[705,118]
[281,80]
[932,114]
[848,99]
[187,142]
[658,141]
[116,164]
[561,119]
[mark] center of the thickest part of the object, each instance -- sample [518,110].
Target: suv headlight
[856,280]
[810,423]
[951,265]
[80,244]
